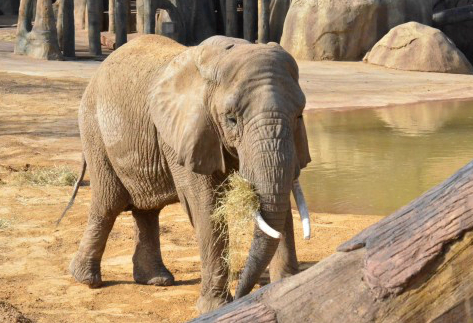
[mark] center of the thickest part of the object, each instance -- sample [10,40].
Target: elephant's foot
[160,276]
[86,271]
[211,302]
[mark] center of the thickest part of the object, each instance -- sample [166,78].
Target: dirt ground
[38,127]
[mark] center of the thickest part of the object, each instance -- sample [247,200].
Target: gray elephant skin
[162,123]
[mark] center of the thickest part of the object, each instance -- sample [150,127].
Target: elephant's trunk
[271,171]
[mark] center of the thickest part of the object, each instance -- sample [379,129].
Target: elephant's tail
[76,189]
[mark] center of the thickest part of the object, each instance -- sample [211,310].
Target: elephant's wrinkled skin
[162,123]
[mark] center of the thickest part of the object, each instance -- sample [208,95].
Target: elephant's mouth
[303,211]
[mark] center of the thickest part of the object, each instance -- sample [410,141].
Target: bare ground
[38,127]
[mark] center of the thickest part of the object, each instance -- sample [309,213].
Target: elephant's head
[242,101]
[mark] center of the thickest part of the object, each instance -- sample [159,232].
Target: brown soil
[38,126]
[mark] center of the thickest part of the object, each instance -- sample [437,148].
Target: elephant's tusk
[263,226]
[302,206]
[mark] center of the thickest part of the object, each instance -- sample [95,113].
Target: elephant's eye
[299,117]
[232,121]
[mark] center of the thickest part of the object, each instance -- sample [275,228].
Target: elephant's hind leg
[148,266]
[109,199]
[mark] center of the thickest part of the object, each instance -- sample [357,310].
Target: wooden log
[263,21]
[250,20]
[453,16]
[94,14]
[121,13]
[412,266]
[231,16]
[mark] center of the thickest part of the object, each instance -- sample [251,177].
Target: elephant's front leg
[199,202]
[284,262]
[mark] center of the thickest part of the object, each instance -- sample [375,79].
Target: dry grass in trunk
[55,176]
[233,217]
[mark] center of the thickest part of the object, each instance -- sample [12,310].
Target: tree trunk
[80,8]
[453,16]
[121,12]
[94,13]
[263,21]
[412,266]
[41,40]
[250,20]
[231,25]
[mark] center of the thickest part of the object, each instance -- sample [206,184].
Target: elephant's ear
[178,107]
[302,145]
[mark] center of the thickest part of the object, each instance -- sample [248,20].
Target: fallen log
[413,266]
[453,16]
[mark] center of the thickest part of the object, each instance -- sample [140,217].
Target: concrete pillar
[231,25]
[263,21]
[121,26]
[250,20]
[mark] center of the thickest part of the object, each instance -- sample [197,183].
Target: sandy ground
[38,126]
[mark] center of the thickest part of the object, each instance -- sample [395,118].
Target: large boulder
[460,33]
[416,47]
[345,29]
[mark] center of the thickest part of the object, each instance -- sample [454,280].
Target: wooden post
[94,13]
[121,13]
[263,21]
[68,37]
[231,25]
[149,17]
[250,20]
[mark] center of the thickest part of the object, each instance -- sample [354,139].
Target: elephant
[162,123]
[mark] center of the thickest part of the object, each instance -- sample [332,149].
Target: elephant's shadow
[184,282]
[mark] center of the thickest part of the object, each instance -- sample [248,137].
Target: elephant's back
[144,53]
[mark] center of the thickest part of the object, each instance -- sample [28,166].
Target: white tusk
[263,226]
[302,206]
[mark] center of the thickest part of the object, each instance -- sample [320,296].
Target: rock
[416,47]
[459,33]
[345,29]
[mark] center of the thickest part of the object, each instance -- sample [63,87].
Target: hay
[4,224]
[55,176]
[233,218]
